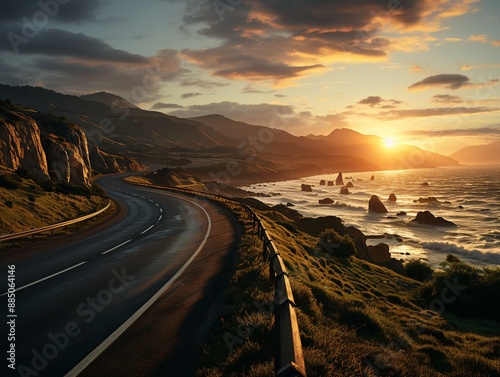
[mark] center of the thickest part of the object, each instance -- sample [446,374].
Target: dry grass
[355,318]
[29,206]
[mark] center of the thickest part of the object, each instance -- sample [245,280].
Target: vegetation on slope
[24,204]
[355,318]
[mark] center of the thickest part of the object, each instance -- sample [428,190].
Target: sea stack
[330,183]
[322,182]
[306,188]
[326,201]
[372,178]
[393,198]
[375,205]
[428,218]
[344,191]
[339,181]
[349,185]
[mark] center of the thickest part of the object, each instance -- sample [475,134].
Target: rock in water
[322,182]
[372,178]
[393,198]
[375,205]
[326,201]
[344,191]
[339,181]
[428,218]
[306,188]
[349,185]
[330,183]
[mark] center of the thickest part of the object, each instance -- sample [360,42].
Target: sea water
[468,196]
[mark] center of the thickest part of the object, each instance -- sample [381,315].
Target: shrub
[23,173]
[8,183]
[418,270]
[9,204]
[31,199]
[48,185]
[98,190]
[333,243]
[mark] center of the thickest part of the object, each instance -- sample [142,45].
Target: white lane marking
[116,247]
[47,277]
[142,197]
[120,330]
[157,204]
[147,230]
[159,218]
[161,210]
[152,201]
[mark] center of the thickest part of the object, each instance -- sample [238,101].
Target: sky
[423,72]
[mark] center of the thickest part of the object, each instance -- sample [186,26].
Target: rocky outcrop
[372,178]
[48,147]
[339,181]
[344,191]
[430,200]
[393,198]
[330,183]
[322,182]
[326,201]
[428,218]
[379,252]
[306,188]
[21,146]
[375,205]
[349,185]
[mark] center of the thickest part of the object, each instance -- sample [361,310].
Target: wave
[448,247]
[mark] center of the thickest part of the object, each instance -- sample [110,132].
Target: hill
[479,154]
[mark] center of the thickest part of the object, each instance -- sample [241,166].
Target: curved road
[94,306]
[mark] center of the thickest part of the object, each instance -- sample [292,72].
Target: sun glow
[388,142]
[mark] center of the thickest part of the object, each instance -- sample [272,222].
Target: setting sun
[388,142]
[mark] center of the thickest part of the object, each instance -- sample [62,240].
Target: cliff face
[53,148]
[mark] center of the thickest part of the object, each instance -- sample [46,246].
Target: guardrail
[289,358]
[51,228]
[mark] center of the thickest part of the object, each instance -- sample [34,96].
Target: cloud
[446,98]
[491,130]
[435,111]
[496,43]
[478,38]
[162,105]
[375,101]
[75,11]
[58,42]
[190,95]
[468,67]
[449,81]
[280,40]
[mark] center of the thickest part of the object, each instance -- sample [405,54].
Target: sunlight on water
[468,196]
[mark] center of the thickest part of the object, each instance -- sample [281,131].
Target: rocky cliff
[49,147]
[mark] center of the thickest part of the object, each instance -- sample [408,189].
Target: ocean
[468,196]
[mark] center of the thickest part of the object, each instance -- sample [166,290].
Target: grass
[28,206]
[355,318]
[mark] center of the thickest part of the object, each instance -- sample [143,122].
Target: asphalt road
[75,303]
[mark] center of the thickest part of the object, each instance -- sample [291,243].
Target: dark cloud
[446,98]
[162,105]
[491,130]
[435,111]
[74,11]
[202,83]
[448,81]
[283,39]
[190,95]
[57,42]
[377,101]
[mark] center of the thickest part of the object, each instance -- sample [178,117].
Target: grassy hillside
[355,318]
[25,205]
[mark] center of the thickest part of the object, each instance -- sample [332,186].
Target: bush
[8,183]
[67,189]
[471,292]
[333,243]
[98,190]
[9,204]
[31,199]
[418,270]
[48,185]
[23,173]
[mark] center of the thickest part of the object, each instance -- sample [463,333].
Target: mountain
[50,147]
[479,154]
[109,100]
[118,127]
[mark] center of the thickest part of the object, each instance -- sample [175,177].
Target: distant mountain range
[121,128]
[479,154]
